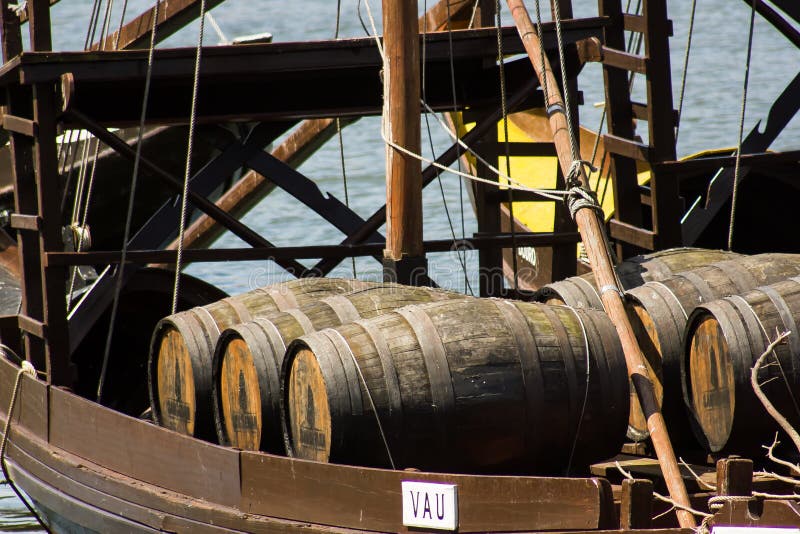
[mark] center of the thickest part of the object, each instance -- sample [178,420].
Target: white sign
[430,505]
[754,530]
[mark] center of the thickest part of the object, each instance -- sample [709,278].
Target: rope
[685,68]
[551,194]
[741,124]
[504,111]
[192,120]
[25,369]
[341,139]
[586,390]
[121,22]
[369,397]
[461,255]
[715,504]
[129,213]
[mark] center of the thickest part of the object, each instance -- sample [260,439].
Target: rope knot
[715,504]
[579,197]
[28,369]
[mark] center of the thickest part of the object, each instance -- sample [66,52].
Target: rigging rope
[504,110]
[341,139]
[685,68]
[459,253]
[741,124]
[129,213]
[192,120]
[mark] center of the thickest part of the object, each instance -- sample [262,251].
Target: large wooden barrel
[659,312]
[476,386]
[248,358]
[182,346]
[724,338]
[581,291]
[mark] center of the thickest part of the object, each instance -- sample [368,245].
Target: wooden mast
[404,256]
[594,239]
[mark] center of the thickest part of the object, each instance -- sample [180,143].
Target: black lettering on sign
[427,509]
[415,502]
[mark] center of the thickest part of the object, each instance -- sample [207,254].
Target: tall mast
[594,239]
[404,256]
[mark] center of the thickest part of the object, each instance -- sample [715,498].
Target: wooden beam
[172,16]
[401,95]
[302,142]
[591,228]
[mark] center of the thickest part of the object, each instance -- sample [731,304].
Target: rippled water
[710,119]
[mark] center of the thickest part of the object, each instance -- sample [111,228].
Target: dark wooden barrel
[248,358]
[581,291]
[724,338]
[659,314]
[478,386]
[182,347]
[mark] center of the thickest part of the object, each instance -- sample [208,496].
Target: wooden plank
[625,147]
[30,411]
[642,112]
[714,163]
[636,23]
[71,474]
[20,125]
[172,16]
[21,221]
[623,60]
[32,326]
[493,240]
[640,237]
[126,445]
[370,499]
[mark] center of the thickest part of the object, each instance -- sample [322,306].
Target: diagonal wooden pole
[594,240]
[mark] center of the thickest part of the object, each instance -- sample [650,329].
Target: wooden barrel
[482,386]
[581,291]
[248,358]
[724,338]
[182,346]
[659,312]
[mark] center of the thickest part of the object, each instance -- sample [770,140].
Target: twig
[793,468]
[781,420]
[662,498]
[703,484]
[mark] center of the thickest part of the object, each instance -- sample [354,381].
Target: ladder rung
[641,112]
[637,23]
[623,60]
[20,125]
[32,326]
[626,147]
[646,239]
[25,222]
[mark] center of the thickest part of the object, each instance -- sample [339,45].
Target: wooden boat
[97,466]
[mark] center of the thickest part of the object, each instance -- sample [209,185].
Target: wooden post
[636,504]
[594,240]
[404,256]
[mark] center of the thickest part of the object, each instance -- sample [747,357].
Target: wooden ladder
[645,217]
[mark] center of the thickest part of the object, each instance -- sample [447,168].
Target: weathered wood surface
[248,357]
[370,499]
[30,410]
[470,385]
[581,291]
[182,348]
[660,311]
[143,451]
[723,340]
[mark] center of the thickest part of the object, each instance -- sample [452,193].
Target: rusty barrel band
[739,275]
[302,319]
[241,310]
[349,365]
[786,317]
[283,299]
[700,285]
[205,317]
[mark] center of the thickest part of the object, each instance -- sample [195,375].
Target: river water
[710,119]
